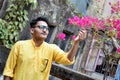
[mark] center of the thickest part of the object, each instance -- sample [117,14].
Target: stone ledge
[65,73]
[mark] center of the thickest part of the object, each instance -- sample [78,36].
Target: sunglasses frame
[41,27]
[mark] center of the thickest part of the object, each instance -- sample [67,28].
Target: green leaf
[25,12]
[117,55]
[15,33]
[32,1]
[8,9]
[11,37]
[21,12]
[16,38]
[16,23]
[35,5]
[7,17]
[20,27]
[19,18]
[25,18]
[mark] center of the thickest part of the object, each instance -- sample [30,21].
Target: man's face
[40,31]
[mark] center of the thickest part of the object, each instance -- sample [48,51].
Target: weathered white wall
[80,5]
[102,7]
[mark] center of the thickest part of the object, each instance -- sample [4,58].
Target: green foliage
[117,55]
[15,21]
[3,31]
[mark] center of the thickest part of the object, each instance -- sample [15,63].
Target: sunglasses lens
[43,27]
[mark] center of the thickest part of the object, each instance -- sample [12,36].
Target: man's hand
[81,35]
[7,78]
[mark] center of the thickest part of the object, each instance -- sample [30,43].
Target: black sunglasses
[43,27]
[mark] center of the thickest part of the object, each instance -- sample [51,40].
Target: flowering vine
[110,27]
[73,37]
[61,36]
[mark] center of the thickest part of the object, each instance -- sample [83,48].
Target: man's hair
[34,21]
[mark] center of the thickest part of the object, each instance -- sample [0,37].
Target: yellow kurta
[27,62]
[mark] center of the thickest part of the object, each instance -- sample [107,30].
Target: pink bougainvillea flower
[115,7]
[87,22]
[73,20]
[70,21]
[118,50]
[61,36]
[111,28]
[73,37]
[118,28]
[118,35]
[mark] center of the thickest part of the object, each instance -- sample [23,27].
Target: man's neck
[37,42]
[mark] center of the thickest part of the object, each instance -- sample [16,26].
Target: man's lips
[44,33]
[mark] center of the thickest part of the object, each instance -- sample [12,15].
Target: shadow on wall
[3,57]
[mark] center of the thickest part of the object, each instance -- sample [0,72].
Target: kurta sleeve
[60,56]
[11,61]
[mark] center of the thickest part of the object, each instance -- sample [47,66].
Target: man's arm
[81,36]
[11,62]
[7,78]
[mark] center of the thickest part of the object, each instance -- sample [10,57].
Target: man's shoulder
[20,42]
[54,46]
[23,41]
[50,44]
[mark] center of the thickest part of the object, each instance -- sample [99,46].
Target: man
[32,59]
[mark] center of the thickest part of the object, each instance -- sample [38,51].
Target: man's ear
[32,30]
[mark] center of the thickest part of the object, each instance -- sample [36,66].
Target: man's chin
[43,38]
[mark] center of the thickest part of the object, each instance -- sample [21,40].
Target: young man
[32,59]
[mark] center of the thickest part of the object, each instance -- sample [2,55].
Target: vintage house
[89,59]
